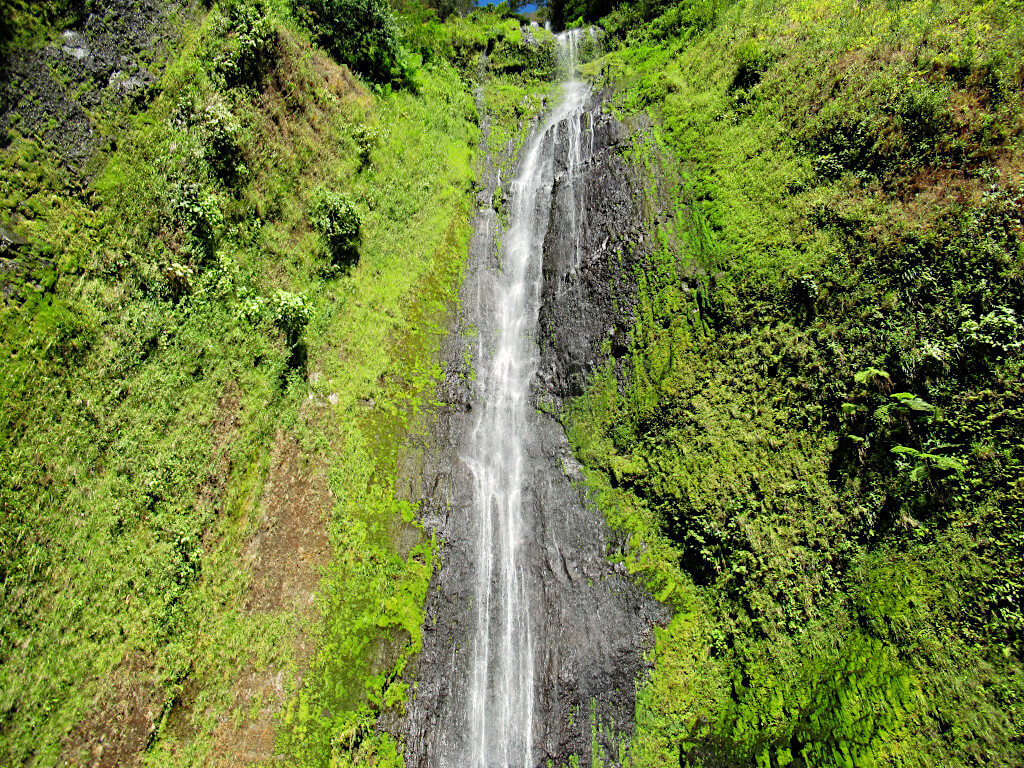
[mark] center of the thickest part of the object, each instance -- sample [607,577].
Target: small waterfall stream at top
[533,641]
[502,697]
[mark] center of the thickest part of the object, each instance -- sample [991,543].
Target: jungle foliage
[817,449]
[172,321]
[21,21]
[359,33]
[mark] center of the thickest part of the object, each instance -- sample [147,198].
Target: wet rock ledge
[582,308]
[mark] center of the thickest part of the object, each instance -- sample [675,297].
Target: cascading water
[502,698]
[533,640]
[575,135]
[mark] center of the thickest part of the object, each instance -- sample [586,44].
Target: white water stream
[500,703]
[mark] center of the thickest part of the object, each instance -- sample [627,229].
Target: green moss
[828,538]
[124,508]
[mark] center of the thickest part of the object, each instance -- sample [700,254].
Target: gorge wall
[592,623]
[778,341]
[590,260]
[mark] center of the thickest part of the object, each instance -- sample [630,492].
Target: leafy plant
[922,462]
[250,43]
[197,212]
[903,403]
[335,217]
[222,132]
[179,278]
[872,374]
[525,59]
[359,33]
[997,333]
[290,312]
[752,61]
[366,138]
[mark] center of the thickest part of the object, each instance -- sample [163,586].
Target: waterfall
[500,703]
[532,640]
[575,136]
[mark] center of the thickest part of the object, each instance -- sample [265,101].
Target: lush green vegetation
[818,452]
[21,21]
[264,257]
[359,33]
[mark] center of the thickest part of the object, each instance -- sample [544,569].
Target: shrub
[997,333]
[841,143]
[223,150]
[512,57]
[752,61]
[924,120]
[564,13]
[251,44]
[361,34]
[682,20]
[365,138]
[290,312]
[6,22]
[211,130]
[179,278]
[197,213]
[334,216]
[446,8]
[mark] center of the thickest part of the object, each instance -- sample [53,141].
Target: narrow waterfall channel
[533,642]
[501,703]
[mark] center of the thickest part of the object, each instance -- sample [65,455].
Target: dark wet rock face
[589,273]
[590,624]
[596,622]
[111,57]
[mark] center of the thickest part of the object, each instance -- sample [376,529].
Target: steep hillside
[223,291]
[231,238]
[815,434]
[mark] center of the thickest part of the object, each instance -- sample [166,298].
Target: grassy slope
[819,452]
[144,384]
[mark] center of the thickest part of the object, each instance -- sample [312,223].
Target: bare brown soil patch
[124,715]
[248,735]
[931,192]
[290,546]
[286,555]
[305,70]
